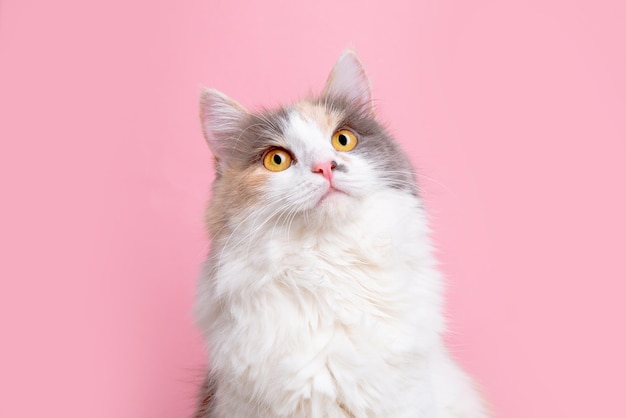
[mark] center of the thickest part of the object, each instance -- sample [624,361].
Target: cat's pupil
[343,140]
[277,159]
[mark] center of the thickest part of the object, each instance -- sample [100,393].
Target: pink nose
[325,169]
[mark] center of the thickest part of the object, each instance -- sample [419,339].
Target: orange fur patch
[326,120]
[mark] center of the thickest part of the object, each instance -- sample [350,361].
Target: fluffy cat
[320,296]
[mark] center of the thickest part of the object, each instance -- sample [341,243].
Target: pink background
[513,111]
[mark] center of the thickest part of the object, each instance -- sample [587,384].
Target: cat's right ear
[221,119]
[349,80]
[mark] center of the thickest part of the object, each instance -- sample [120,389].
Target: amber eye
[277,160]
[344,140]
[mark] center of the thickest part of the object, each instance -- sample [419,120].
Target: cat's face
[318,156]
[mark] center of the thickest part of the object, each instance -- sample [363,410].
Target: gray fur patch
[265,130]
[376,145]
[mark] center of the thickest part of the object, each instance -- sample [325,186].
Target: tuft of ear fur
[221,119]
[349,81]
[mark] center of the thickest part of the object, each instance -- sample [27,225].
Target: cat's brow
[264,130]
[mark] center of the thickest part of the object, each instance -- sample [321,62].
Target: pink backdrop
[514,112]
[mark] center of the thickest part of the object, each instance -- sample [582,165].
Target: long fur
[319,301]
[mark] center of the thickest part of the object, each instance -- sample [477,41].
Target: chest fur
[326,312]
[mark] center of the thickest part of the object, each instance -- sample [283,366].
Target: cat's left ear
[349,81]
[221,118]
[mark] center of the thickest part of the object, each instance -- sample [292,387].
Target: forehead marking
[326,120]
[309,140]
[306,132]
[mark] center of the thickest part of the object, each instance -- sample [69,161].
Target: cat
[320,296]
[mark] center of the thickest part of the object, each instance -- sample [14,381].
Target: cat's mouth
[331,192]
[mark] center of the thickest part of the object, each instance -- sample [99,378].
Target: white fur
[315,306]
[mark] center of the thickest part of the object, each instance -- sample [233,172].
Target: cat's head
[319,156]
